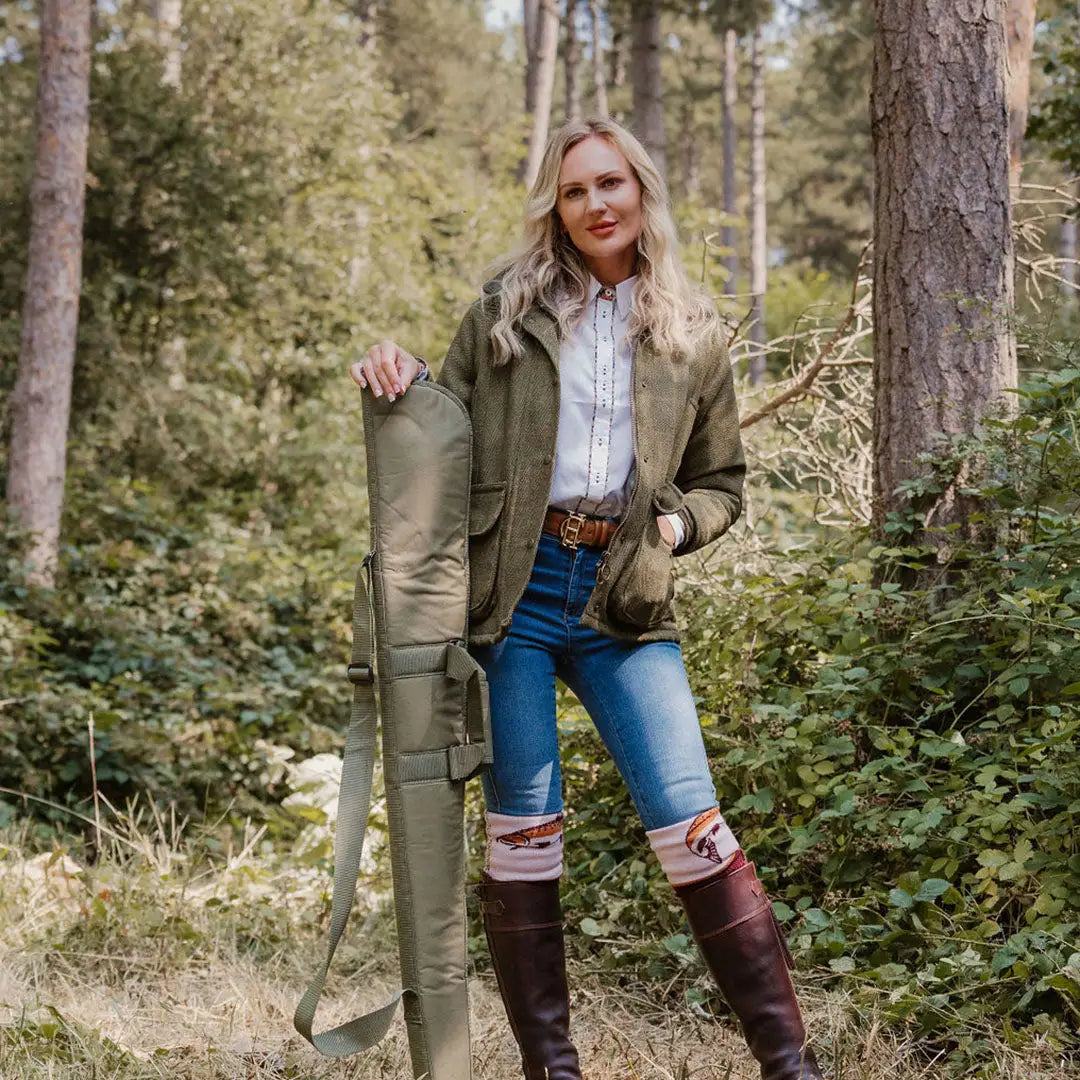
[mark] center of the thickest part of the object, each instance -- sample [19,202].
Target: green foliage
[246,236]
[49,1035]
[194,651]
[1055,119]
[905,773]
[903,769]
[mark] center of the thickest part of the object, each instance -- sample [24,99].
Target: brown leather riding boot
[524,927]
[733,923]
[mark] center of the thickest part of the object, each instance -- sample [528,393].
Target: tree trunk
[598,60]
[167,16]
[691,179]
[41,400]
[530,24]
[1067,248]
[727,233]
[547,46]
[172,352]
[940,126]
[757,203]
[618,47]
[572,55]
[648,93]
[1020,36]
[367,11]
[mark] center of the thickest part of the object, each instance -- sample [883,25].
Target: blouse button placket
[605,378]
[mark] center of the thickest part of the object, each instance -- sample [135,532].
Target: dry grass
[150,966]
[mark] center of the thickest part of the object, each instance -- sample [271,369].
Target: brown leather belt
[576,529]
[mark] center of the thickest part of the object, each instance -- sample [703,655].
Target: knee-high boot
[524,928]
[733,924]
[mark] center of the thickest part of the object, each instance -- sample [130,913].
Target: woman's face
[599,203]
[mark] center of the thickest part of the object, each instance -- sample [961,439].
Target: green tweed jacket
[689,459]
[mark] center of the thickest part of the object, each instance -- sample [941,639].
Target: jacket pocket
[641,595]
[668,498]
[486,502]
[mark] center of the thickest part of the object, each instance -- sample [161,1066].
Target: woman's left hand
[666,530]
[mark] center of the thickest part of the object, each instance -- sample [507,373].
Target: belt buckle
[574,521]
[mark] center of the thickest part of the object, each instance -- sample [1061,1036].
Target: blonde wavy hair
[547,267]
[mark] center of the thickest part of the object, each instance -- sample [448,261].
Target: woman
[606,440]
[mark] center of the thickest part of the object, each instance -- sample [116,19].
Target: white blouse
[594,451]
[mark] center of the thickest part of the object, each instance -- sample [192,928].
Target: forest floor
[155,964]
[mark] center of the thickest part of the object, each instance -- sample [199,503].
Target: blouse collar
[624,293]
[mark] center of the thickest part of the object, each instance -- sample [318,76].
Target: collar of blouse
[624,293]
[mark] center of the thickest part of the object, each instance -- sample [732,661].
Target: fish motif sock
[695,848]
[737,860]
[523,847]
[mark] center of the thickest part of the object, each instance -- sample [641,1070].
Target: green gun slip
[436,726]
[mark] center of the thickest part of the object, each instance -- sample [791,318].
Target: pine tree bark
[1020,36]
[572,56]
[599,84]
[547,46]
[648,92]
[758,251]
[530,26]
[730,93]
[618,20]
[943,252]
[172,353]
[41,400]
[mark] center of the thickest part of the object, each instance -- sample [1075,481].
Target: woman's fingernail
[389,397]
[377,391]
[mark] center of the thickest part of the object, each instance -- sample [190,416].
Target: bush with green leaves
[247,235]
[194,650]
[904,769]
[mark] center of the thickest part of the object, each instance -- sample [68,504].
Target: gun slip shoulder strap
[410,625]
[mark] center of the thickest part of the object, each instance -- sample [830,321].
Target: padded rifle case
[436,730]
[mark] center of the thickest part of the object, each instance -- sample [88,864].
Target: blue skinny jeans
[637,695]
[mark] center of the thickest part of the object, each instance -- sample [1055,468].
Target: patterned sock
[737,860]
[694,848]
[526,848]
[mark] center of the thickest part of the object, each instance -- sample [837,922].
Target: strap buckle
[570,529]
[361,673]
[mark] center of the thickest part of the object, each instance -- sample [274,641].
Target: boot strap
[509,906]
[739,921]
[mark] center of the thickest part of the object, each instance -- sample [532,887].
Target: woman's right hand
[387,369]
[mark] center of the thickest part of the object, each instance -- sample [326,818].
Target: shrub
[904,769]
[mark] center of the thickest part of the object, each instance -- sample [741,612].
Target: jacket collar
[542,324]
[538,321]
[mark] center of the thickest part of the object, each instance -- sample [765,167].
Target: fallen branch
[802,384]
